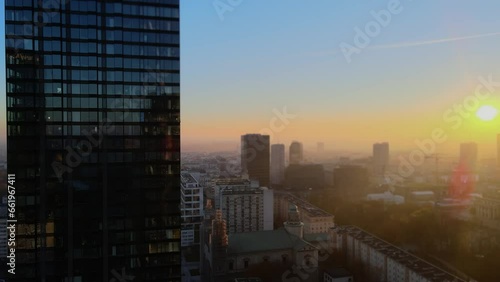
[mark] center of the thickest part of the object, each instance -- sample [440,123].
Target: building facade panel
[93,137]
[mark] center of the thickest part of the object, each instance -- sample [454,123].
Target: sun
[487,113]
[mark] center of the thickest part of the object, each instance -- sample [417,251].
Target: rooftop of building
[243,190]
[187,178]
[305,206]
[317,237]
[412,262]
[267,240]
[231,181]
[492,195]
[423,193]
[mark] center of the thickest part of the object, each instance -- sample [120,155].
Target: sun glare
[487,113]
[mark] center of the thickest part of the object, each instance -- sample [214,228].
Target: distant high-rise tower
[380,157]
[277,164]
[255,158]
[296,155]
[468,155]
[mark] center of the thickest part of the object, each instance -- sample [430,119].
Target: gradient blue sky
[270,54]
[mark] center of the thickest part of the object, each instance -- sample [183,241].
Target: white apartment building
[191,209]
[245,206]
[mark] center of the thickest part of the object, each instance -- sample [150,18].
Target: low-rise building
[386,197]
[230,255]
[315,219]
[384,261]
[486,208]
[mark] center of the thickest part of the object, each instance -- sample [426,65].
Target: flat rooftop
[241,190]
[311,210]
[410,261]
[231,181]
[187,178]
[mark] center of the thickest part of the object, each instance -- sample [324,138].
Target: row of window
[93,89]
[90,61]
[19,15]
[93,102]
[79,3]
[19,3]
[76,33]
[55,16]
[76,116]
[94,75]
[84,130]
[168,247]
[117,104]
[110,103]
[91,47]
[142,10]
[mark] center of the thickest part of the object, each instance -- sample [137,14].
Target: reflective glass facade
[93,138]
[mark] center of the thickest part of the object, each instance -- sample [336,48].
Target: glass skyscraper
[255,158]
[93,138]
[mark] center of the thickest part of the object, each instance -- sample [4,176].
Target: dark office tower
[93,138]
[255,158]
[380,157]
[296,154]
[304,177]
[277,164]
[468,155]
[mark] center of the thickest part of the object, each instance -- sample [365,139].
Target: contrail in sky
[430,42]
